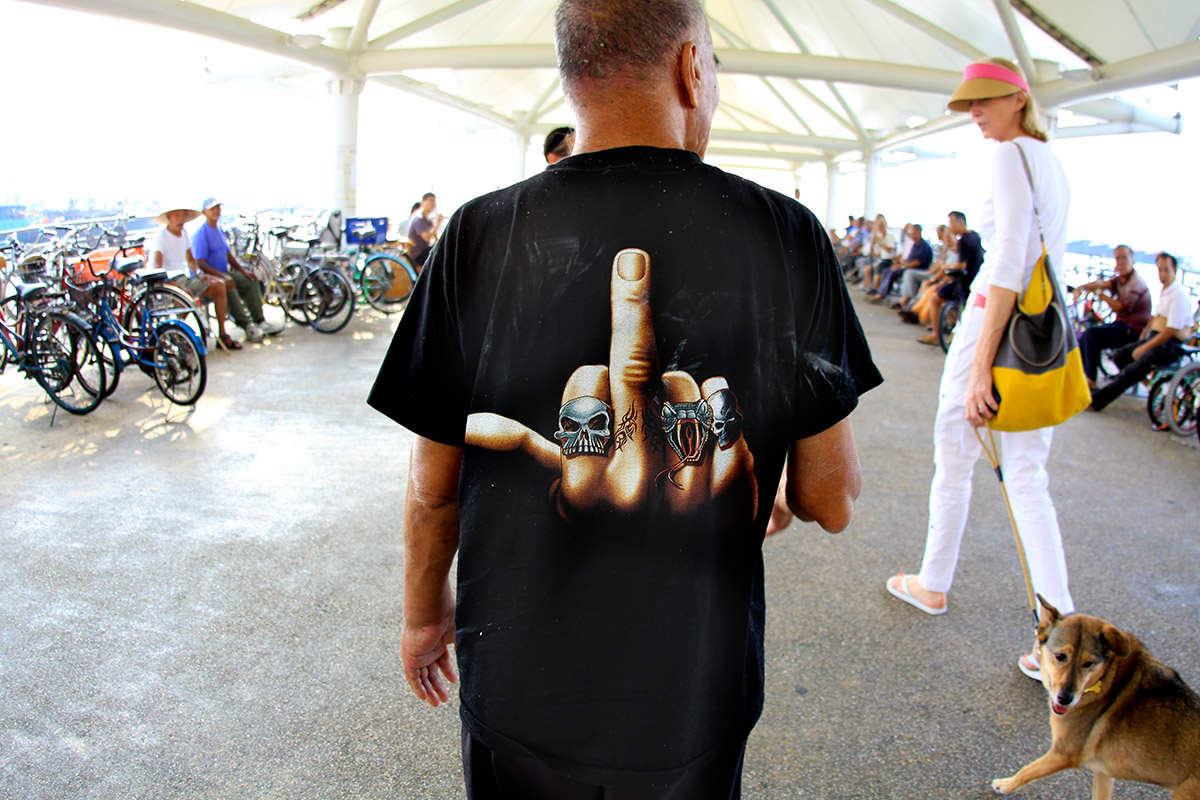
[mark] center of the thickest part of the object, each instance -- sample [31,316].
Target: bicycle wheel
[328,299]
[387,282]
[180,369]
[64,359]
[1182,402]
[287,283]
[166,302]
[947,321]
[1156,401]
[110,356]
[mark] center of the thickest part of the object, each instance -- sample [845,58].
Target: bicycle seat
[150,275]
[31,291]
[126,266]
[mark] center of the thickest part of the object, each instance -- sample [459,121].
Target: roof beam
[825,143]
[933,31]
[1009,20]
[772,155]
[427,21]
[1102,129]
[1059,35]
[535,109]
[783,101]
[733,38]
[1111,110]
[791,32]
[1169,65]
[358,36]
[204,21]
[781,65]
[431,92]
[500,56]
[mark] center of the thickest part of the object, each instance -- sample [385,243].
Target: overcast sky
[103,108]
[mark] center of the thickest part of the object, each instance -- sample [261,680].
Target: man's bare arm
[430,542]
[824,477]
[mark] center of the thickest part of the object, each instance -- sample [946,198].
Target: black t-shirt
[970,255]
[622,640]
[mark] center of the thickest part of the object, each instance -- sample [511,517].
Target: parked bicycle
[53,347]
[308,292]
[159,343]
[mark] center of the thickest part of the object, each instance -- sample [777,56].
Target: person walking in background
[602,417]
[997,97]
[214,257]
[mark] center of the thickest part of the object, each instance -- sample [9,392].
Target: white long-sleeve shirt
[1008,227]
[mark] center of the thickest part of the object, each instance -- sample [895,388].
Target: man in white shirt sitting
[1162,340]
[172,252]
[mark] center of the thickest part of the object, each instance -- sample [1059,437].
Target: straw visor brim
[978,89]
[192,214]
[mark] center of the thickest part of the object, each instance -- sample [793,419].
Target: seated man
[970,258]
[172,254]
[1162,340]
[914,276]
[918,257]
[214,258]
[852,249]
[1126,294]
[882,252]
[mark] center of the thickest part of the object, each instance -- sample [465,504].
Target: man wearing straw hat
[172,252]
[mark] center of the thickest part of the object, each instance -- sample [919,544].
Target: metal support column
[831,180]
[523,141]
[873,163]
[345,93]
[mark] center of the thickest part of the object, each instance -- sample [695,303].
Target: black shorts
[499,776]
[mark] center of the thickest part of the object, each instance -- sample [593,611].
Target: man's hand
[781,515]
[425,654]
[430,542]
[618,420]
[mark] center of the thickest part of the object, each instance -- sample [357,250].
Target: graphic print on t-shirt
[629,438]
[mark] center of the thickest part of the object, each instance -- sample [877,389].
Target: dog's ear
[1115,641]
[1046,620]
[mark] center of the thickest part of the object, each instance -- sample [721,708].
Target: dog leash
[989,447]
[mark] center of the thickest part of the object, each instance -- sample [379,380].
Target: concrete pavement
[206,605]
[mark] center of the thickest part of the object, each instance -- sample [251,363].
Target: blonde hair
[1031,122]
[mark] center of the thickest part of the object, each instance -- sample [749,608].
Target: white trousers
[1022,460]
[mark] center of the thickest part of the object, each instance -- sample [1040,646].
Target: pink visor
[995,72]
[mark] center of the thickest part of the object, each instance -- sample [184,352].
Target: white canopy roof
[802,80]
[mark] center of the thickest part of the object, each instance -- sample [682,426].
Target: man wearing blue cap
[214,257]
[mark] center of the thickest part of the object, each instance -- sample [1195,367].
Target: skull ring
[585,427]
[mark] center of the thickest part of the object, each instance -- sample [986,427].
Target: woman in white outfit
[997,97]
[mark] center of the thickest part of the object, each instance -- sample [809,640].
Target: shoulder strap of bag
[1046,280]
[1033,192]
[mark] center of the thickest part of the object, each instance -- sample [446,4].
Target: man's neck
[606,122]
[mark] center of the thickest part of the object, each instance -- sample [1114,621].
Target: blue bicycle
[159,344]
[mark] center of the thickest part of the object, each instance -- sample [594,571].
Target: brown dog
[1113,709]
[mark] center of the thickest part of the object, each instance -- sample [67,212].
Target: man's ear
[690,76]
